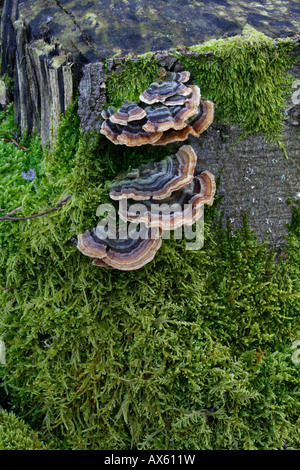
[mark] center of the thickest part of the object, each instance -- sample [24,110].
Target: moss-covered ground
[193,351]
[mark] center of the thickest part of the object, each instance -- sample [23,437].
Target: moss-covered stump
[254,141]
[45,44]
[197,349]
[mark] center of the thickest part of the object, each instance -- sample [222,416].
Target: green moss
[15,434]
[245,76]
[8,126]
[132,81]
[193,351]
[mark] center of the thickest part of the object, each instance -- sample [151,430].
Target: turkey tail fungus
[157,180]
[168,111]
[183,207]
[125,254]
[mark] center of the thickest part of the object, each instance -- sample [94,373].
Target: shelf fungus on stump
[171,194]
[125,254]
[160,90]
[129,111]
[195,125]
[182,207]
[157,180]
[169,110]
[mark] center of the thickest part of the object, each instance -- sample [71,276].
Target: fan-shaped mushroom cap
[173,135]
[173,76]
[162,89]
[179,76]
[160,118]
[194,126]
[111,131]
[183,207]
[131,135]
[106,113]
[129,111]
[157,180]
[134,135]
[177,100]
[127,254]
[204,117]
[163,118]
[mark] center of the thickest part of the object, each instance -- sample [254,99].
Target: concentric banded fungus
[162,117]
[173,135]
[129,111]
[157,180]
[176,100]
[127,254]
[106,113]
[183,207]
[162,89]
[169,111]
[194,126]
[204,117]
[170,76]
[131,135]
[178,76]
[172,196]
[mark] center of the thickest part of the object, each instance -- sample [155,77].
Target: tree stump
[54,48]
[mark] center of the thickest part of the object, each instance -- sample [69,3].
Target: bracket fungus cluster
[183,207]
[162,196]
[158,196]
[169,111]
[157,179]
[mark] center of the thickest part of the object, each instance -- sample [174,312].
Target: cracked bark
[72,16]
[42,72]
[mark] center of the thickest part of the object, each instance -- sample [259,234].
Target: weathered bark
[42,72]
[9,14]
[92,97]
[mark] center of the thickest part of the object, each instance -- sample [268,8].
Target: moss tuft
[246,77]
[15,434]
[134,78]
